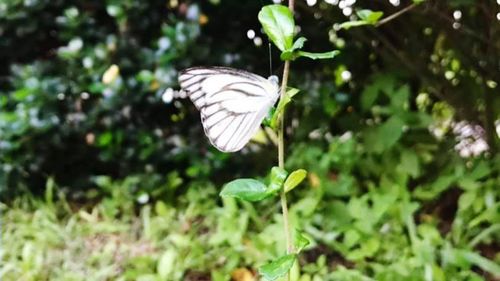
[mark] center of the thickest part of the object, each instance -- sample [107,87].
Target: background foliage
[398,135]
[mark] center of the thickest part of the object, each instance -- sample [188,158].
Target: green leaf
[369,16]
[462,257]
[246,189]
[369,95]
[277,268]
[348,24]
[299,43]
[321,56]
[269,117]
[300,241]
[278,24]
[278,176]
[384,136]
[291,53]
[281,105]
[295,178]
[409,163]
[367,249]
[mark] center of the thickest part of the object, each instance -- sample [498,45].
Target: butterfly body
[232,102]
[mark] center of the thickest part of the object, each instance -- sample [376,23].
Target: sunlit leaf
[295,178]
[278,24]
[277,268]
[369,16]
[299,43]
[245,189]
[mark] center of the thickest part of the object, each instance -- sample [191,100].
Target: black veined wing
[232,102]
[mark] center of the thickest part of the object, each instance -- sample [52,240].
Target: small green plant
[279,25]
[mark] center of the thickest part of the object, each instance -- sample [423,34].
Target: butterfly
[232,102]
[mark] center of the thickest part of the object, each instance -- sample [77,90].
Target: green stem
[281,161]
[281,154]
[395,15]
[281,164]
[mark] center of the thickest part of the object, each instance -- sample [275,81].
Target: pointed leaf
[291,53]
[369,16]
[278,176]
[277,268]
[299,43]
[348,24]
[246,189]
[281,105]
[295,178]
[278,24]
[314,56]
[478,260]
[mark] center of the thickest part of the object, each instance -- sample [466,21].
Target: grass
[55,241]
[198,236]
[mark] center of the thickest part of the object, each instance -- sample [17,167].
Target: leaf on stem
[291,54]
[278,267]
[282,104]
[322,56]
[278,24]
[295,178]
[367,17]
[294,52]
[246,189]
[278,176]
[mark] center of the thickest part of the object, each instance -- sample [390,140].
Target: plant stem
[281,154]
[281,150]
[281,123]
[281,161]
[395,15]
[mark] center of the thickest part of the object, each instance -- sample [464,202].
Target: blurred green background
[102,177]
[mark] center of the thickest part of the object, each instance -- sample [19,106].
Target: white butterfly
[232,102]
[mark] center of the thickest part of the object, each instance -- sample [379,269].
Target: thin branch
[463,29]
[396,14]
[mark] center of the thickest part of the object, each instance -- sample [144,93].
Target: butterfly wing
[232,103]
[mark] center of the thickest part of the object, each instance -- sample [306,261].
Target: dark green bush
[59,117]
